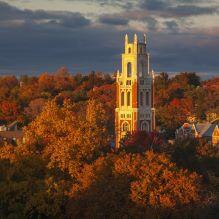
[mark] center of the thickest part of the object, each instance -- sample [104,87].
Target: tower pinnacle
[135,38]
[126,39]
[145,39]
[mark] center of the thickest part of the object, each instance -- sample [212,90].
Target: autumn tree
[8,86]
[187,79]
[9,111]
[130,185]
[106,94]
[27,93]
[141,141]
[174,115]
[28,189]
[67,137]
[185,155]
[46,82]
[34,108]
[64,81]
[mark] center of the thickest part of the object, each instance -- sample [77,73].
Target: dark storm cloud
[172,26]
[166,8]
[185,52]
[126,4]
[34,46]
[154,4]
[65,39]
[190,10]
[76,20]
[113,20]
[40,49]
[68,19]
[123,18]
[190,1]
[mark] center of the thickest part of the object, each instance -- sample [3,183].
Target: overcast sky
[86,35]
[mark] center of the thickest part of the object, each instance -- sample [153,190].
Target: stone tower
[135,91]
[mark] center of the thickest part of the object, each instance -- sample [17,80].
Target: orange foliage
[65,137]
[140,185]
[46,82]
[7,152]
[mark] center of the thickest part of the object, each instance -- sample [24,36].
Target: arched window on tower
[122,99]
[125,127]
[129,69]
[147,98]
[141,98]
[129,50]
[145,127]
[128,99]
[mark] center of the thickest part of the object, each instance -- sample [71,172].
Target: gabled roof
[216,128]
[205,129]
[11,125]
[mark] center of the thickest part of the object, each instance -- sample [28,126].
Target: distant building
[9,134]
[11,137]
[208,131]
[135,91]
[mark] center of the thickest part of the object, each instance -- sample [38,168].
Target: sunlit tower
[135,91]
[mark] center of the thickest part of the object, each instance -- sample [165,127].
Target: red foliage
[212,84]
[141,141]
[8,111]
[105,94]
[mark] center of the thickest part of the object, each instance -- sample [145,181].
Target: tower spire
[145,38]
[126,39]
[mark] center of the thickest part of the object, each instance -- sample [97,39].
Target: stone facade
[135,99]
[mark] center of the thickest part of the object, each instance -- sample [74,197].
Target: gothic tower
[135,91]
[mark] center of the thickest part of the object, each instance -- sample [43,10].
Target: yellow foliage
[66,137]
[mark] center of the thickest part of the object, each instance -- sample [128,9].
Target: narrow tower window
[144,126]
[147,98]
[128,99]
[141,98]
[141,68]
[122,99]
[129,69]
[129,50]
